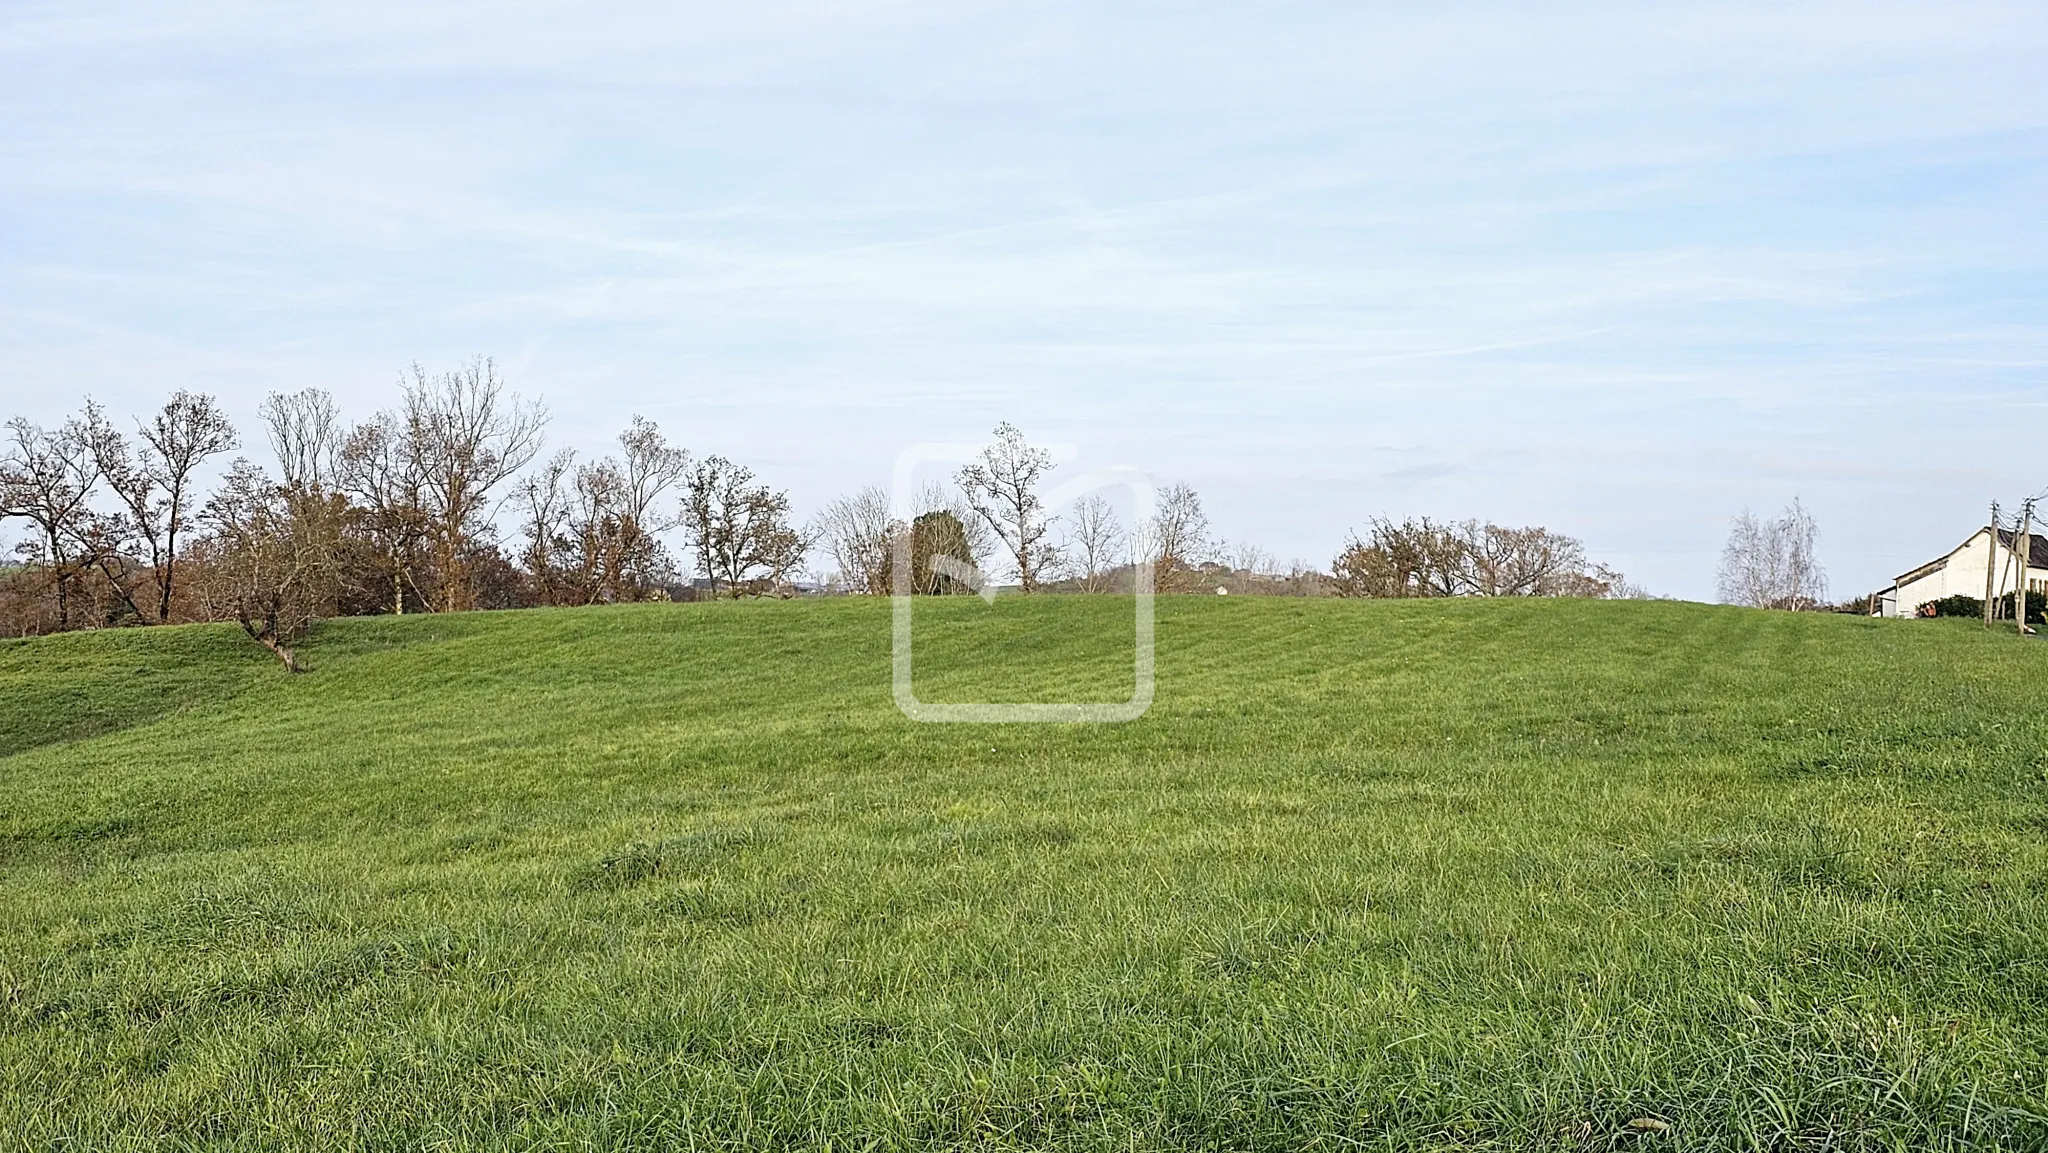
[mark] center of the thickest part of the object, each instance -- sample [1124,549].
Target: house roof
[2037,553]
[2037,546]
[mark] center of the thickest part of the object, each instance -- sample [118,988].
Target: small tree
[1250,568]
[1095,543]
[608,546]
[260,569]
[1393,560]
[613,519]
[154,484]
[739,529]
[592,530]
[1176,542]
[932,536]
[305,435]
[463,437]
[650,467]
[1770,564]
[1002,489]
[551,555]
[982,541]
[379,469]
[47,479]
[856,530]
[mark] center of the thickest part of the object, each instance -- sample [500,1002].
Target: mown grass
[1384,875]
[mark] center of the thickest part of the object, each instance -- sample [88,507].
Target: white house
[1962,572]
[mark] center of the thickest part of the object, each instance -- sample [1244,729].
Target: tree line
[397,513]
[402,512]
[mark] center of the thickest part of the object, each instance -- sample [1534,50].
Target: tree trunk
[63,585]
[265,634]
[119,586]
[291,660]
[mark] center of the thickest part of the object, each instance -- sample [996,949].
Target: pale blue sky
[1618,270]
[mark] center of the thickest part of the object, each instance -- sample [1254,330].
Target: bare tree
[739,529]
[855,530]
[155,484]
[47,479]
[1096,544]
[592,530]
[544,498]
[1620,588]
[1304,580]
[1002,489]
[1533,561]
[260,570]
[1176,542]
[652,466]
[1251,567]
[465,436]
[1424,558]
[1770,563]
[378,467]
[607,538]
[1383,563]
[305,433]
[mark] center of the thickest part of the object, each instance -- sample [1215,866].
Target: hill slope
[1506,874]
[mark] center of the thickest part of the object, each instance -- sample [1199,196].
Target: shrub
[1969,606]
[1955,606]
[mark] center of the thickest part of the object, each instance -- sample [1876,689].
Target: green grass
[1391,875]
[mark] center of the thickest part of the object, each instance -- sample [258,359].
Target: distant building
[1961,573]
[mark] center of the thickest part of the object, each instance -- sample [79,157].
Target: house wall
[1964,575]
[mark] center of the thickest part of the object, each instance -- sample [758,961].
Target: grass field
[1369,874]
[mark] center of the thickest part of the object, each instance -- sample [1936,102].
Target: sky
[1622,270]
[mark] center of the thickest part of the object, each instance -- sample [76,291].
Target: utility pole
[2022,553]
[1991,567]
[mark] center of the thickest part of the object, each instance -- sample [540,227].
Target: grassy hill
[1392,874]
